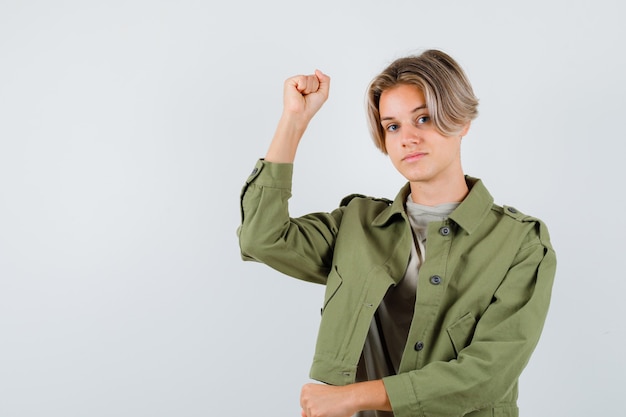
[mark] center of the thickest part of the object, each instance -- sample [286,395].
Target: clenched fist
[304,95]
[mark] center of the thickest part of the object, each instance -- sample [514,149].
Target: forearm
[285,142]
[370,395]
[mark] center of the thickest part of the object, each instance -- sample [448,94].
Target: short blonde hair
[448,93]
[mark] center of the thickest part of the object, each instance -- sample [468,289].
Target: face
[417,150]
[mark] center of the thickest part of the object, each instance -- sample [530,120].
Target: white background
[127,129]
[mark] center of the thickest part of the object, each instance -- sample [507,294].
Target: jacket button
[512,210]
[419,346]
[254,171]
[444,231]
[435,280]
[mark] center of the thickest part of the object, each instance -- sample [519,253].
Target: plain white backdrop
[127,129]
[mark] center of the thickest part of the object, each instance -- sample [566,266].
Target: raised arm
[303,96]
[300,247]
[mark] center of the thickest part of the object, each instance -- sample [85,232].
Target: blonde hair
[448,93]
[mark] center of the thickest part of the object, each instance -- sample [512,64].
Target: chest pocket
[461,332]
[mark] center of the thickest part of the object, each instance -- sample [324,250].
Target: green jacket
[482,298]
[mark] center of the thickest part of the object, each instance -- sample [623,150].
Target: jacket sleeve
[503,341]
[300,247]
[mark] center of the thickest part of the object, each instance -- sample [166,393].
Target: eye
[422,119]
[392,127]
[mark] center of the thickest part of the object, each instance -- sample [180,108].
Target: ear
[465,129]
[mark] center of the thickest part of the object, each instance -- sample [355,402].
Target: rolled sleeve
[300,247]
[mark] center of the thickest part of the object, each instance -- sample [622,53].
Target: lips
[415,156]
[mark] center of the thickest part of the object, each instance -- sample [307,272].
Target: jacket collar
[469,214]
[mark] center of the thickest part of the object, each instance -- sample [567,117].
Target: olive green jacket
[482,298]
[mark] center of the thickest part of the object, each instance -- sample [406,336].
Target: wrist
[286,139]
[370,395]
[293,123]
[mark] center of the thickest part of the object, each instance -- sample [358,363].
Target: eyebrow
[423,106]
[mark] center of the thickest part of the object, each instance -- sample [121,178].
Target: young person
[434,301]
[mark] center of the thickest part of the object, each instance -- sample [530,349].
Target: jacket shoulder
[539,229]
[517,214]
[347,199]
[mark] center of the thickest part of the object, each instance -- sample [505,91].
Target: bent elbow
[252,246]
[246,245]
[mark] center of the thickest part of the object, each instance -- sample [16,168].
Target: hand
[319,400]
[304,95]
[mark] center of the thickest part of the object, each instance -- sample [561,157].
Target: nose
[410,135]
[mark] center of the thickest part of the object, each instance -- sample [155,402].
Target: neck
[434,194]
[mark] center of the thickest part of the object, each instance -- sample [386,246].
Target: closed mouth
[413,156]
